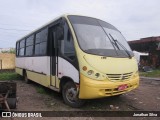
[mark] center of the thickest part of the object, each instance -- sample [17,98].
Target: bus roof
[45,25]
[50,22]
[64,15]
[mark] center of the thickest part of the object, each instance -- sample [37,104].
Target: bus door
[55,34]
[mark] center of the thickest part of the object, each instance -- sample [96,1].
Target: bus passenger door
[55,36]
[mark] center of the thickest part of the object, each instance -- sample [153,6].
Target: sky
[134,18]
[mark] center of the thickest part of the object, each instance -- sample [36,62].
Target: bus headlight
[90,72]
[97,75]
[84,68]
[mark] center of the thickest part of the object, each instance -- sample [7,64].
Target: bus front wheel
[70,95]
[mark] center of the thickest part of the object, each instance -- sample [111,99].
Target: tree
[12,51]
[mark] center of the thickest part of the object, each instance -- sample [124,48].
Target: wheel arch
[64,80]
[24,72]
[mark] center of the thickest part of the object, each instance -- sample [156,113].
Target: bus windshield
[97,37]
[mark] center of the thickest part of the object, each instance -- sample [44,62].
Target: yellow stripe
[19,71]
[40,78]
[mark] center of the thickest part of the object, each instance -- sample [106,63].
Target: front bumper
[90,89]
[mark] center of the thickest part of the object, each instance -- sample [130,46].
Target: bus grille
[124,76]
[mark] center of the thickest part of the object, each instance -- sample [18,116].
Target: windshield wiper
[115,43]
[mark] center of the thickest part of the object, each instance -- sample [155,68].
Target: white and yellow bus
[81,57]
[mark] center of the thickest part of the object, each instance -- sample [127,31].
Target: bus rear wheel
[70,95]
[26,78]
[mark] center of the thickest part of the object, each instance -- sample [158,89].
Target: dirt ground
[145,98]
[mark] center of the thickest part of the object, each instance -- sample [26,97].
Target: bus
[79,56]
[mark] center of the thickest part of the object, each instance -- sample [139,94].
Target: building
[150,45]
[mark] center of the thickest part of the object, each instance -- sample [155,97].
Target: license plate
[122,87]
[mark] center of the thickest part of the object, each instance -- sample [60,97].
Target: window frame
[67,28]
[46,52]
[71,41]
[17,48]
[23,47]
[27,38]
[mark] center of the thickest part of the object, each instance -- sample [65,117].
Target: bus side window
[29,45]
[60,35]
[22,47]
[41,42]
[67,46]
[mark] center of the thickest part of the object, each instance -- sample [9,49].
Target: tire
[70,95]
[12,102]
[26,78]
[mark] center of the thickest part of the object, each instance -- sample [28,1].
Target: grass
[41,90]
[154,73]
[9,76]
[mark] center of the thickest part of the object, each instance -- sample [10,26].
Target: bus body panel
[90,89]
[39,78]
[65,68]
[111,65]
[40,64]
[38,70]
[19,71]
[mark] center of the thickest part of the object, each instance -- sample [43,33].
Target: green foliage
[41,90]
[154,73]
[13,51]
[9,76]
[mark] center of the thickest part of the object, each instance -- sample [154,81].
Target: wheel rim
[71,95]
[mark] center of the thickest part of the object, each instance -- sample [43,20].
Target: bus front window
[93,37]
